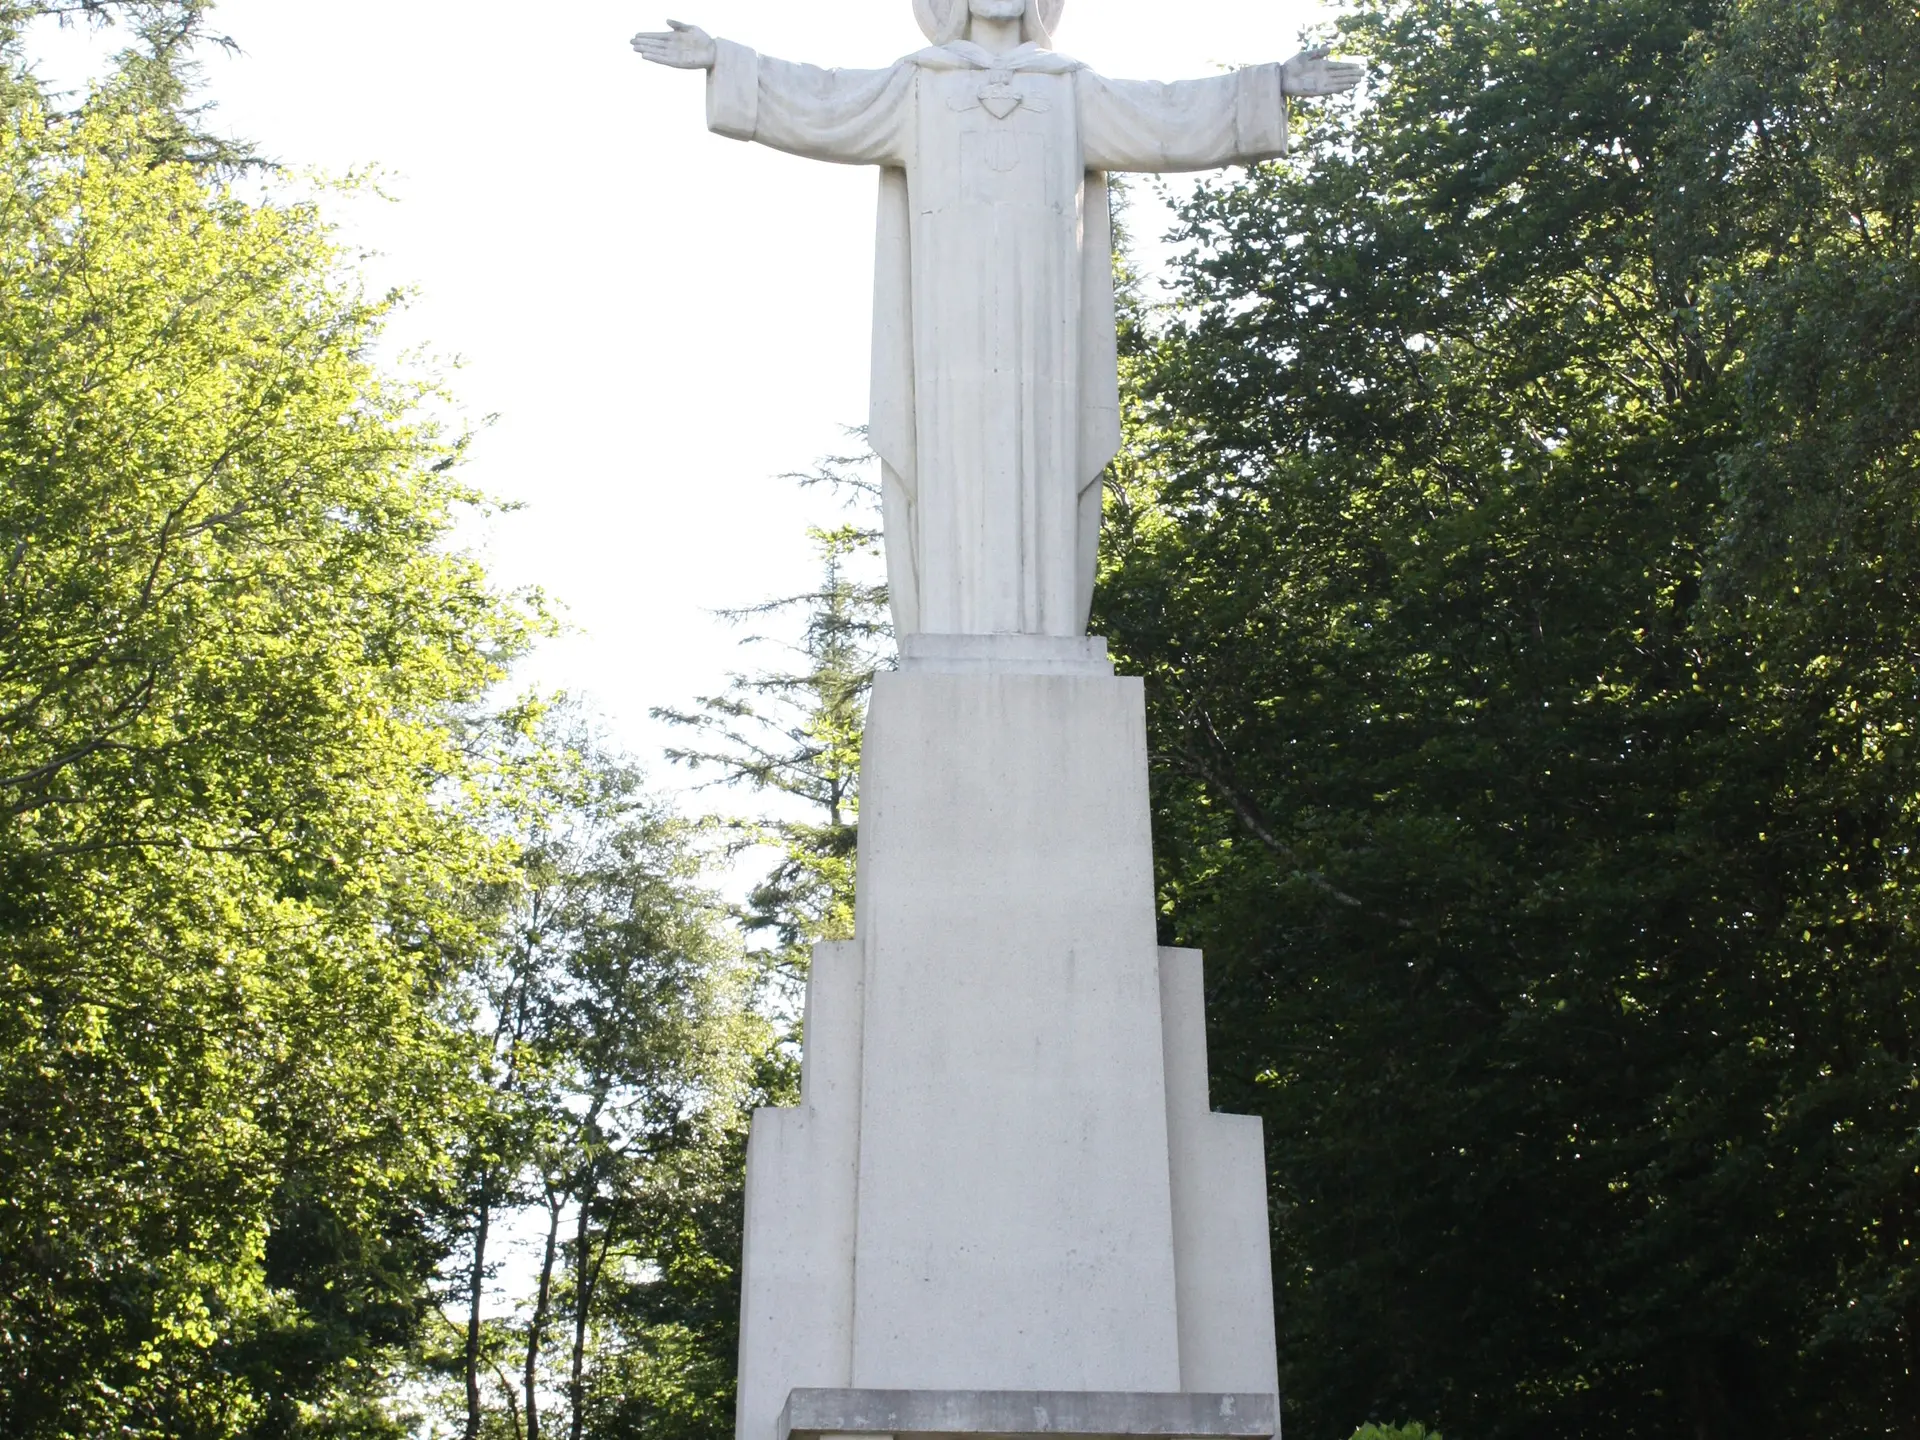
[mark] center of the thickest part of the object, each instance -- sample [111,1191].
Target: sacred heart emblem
[998,97]
[1000,101]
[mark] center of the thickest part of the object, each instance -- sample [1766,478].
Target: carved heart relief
[1000,102]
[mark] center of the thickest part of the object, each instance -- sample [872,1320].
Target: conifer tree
[792,733]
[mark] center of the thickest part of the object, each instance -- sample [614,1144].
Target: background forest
[1519,536]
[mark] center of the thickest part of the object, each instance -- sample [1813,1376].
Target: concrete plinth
[1085,1415]
[1003,1177]
[1004,655]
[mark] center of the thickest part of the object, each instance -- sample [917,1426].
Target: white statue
[995,396]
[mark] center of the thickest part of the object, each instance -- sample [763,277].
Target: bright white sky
[662,320]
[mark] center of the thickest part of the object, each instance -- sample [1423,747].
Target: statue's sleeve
[1229,119]
[852,117]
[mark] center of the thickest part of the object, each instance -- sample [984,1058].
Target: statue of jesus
[995,404]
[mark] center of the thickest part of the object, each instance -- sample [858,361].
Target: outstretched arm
[1198,124]
[853,117]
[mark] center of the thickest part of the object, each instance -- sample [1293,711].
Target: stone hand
[1312,73]
[684,47]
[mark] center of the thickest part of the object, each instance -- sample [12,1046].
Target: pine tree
[793,733]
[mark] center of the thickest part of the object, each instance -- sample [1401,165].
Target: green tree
[155,74]
[615,1021]
[625,1113]
[794,733]
[245,806]
[1520,546]
[791,736]
[177,16]
[660,1061]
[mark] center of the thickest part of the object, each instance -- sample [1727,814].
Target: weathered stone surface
[928,654]
[811,1414]
[796,1282]
[1015,1224]
[1219,1168]
[1004,1174]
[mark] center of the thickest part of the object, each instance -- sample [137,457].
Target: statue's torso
[993,139]
[995,185]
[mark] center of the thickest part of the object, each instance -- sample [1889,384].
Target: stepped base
[1084,1414]
[1004,1176]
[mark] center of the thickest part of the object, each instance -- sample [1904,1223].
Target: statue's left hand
[1312,73]
[684,47]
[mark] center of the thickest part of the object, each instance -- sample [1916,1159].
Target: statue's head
[945,21]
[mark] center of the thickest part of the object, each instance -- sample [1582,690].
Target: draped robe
[995,404]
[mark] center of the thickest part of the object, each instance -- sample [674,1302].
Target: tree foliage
[1520,541]
[243,806]
[793,734]
[617,1009]
[321,971]
[788,734]
[631,1042]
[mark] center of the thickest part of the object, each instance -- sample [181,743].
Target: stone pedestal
[828,1414]
[1003,1178]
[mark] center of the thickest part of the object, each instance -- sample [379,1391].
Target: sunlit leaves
[241,822]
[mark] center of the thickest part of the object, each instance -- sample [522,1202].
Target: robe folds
[995,404]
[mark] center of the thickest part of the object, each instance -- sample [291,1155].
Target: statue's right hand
[1312,73]
[684,47]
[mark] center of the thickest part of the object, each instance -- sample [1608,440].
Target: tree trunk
[513,1408]
[476,1288]
[582,1298]
[537,1326]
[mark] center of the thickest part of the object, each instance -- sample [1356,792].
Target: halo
[942,21]
[1046,15]
[945,21]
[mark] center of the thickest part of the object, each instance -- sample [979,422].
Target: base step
[1088,1414]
